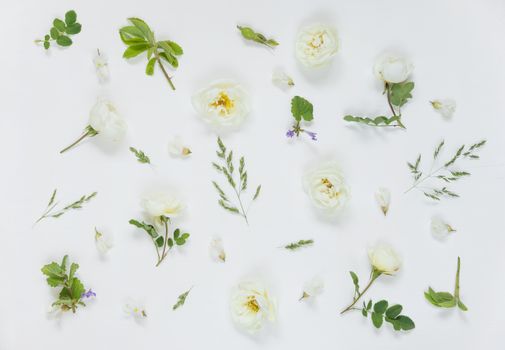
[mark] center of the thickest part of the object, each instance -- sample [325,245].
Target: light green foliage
[444,174]
[446,299]
[72,289]
[239,186]
[380,312]
[61,30]
[300,244]
[301,109]
[181,299]
[49,213]
[141,156]
[164,242]
[250,34]
[140,38]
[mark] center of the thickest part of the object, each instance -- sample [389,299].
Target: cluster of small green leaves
[446,299]
[61,30]
[72,289]
[75,205]
[300,244]
[443,173]
[140,38]
[301,109]
[227,168]
[250,34]
[397,95]
[380,312]
[163,243]
[181,299]
[141,156]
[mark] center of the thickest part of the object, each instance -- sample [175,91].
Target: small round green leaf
[380,306]
[74,28]
[377,319]
[46,45]
[55,34]
[70,17]
[64,40]
[59,24]
[394,311]
[405,323]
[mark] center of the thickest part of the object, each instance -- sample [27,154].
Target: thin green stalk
[158,59]
[456,288]
[373,277]
[89,132]
[388,93]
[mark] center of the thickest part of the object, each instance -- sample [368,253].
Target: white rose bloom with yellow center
[384,259]
[316,45]
[224,104]
[162,204]
[326,188]
[252,306]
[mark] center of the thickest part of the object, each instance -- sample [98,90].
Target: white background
[457,48]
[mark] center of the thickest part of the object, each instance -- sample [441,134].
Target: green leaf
[74,28]
[257,193]
[46,45]
[131,35]
[64,40]
[181,300]
[405,323]
[176,48]
[369,305]
[394,311]
[301,108]
[177,232]
[141,156]
[64,263]
[55,34]
[73,269]
[150,66]
[76,289]
[55,281]
[250,34]
[355,281]
[53,270]
[59,25]
[380,306]
[170,242]
[297,245]
[135,50]
[364,312]
[185,236]
[70,17]
[151,231]
[462,306]
[377,319]
[172,60]
[400,93]
[159,241]
[143,28]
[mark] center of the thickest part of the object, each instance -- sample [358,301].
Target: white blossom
[177,149]
[134,309]
[316,45]
[106,121]
[313,288]
[439,228]
[281,79]
[216,249]
[101,67]
[162,203]
[383,198]
[393,69]
[103,242]
[445,107]
[384,259]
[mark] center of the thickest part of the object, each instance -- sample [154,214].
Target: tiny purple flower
[290,133]
[312,135]
[88,294]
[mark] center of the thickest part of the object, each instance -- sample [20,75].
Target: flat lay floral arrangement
[438,175]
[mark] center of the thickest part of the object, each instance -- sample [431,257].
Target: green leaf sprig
[163,243]
[181,299]
[250,34]
[61,30]
[140,38]
[444,174]
[227,168]
[301,109]
[380,312]
[299,244]
[141,156]
[397,95]
[49,213]
[72,290]
[446,299]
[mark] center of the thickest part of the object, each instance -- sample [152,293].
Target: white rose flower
[393,69]
[162,204]
[384,259]
[224,104]
[103,242]
[135,310]
[216,250]
[106,121]
[445,107]
[101,67]
[383,198]
[251,306]
[316,45]
[281,79]
[176,148]
[313,288]
[326,188]
[440,229]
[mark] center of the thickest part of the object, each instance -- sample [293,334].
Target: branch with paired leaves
[446,299]
[164,242]
[250,34]
[72,290]
[300,244]
[444,174]
[301,109]
[397,95]
[140,38]
[61,30]
[49,213]
[141,156]
[228,170]
[380,311]
[181,299]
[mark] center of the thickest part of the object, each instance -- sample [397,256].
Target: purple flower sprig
[301,109]
[88,294]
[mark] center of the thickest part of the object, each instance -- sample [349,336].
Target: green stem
[89,132]
[456,288]
[388,93]
[421,180]
[163,253]
[373,277]
[158,59]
